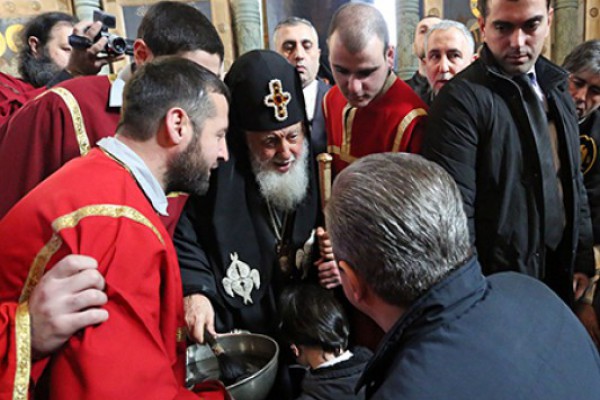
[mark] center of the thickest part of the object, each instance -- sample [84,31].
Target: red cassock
[391,122]
[63,123]
[93,206]
[14,92]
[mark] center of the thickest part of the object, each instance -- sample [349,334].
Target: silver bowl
[259,352]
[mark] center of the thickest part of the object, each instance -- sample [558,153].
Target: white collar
[310,98]
[140,171]
[116,89]
[342,357]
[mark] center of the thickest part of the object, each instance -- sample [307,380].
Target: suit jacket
[317,125]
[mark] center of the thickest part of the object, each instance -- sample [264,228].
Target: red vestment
[61,124]
[14,92]
[93,206]
[393,121]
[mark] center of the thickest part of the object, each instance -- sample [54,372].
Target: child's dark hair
[312,316]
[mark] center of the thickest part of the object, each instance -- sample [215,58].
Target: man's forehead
[427,22]
[296,32]
[450,37]
[294,128]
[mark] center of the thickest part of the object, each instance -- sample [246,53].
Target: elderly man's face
[584,87]
[277,150]
[279,163]
[448,53]
[299,44]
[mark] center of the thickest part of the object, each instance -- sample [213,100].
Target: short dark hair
[165,83]
[170,27]
[312,316]
[483,8]
[39,27]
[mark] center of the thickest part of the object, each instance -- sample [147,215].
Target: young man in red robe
[70,118]
[369,110]
[107,205]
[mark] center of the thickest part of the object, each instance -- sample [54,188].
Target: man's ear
[175,121]
[34,44]
[389,56]
[355,287]
[481,22]
[141,52]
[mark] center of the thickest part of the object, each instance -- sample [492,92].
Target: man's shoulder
[397,101]
[83,86]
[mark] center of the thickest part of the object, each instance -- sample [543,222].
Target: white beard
[283,191]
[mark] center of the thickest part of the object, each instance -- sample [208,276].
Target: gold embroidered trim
[344,157]
[348,115]
[38,267]
[389,81]
[406,121]
[76,116]
[23,337]
[181,334]
[324,105]
[176,194]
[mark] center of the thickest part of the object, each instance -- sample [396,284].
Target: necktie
[553,204]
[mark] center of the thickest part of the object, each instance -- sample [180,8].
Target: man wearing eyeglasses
[583,63]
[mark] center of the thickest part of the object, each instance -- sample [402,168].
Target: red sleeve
[415,135]
[7,349]
[134,352]
[33,145]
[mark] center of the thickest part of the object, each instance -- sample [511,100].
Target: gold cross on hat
[278,99]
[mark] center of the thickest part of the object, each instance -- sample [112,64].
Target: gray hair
[446,24]
[585,57]
[398,221]
[294,21]
[356,24]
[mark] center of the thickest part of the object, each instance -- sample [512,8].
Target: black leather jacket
[479,131]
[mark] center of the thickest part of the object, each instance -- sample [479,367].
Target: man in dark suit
[296,39]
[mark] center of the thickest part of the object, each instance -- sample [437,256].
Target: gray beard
[283,191]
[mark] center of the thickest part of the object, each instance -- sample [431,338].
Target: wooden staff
[324,160]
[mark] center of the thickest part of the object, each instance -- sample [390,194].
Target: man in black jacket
[506,130]
[451,333]
[583,63]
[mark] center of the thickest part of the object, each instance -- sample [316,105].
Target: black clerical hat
[266,92]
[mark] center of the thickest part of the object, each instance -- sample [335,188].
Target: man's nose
[354,84]
[223,151]
[517,39]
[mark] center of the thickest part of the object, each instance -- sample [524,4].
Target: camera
[115,45]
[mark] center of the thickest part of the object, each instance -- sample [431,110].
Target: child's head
[311,317]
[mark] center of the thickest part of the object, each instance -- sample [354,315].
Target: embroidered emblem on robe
[303,255]
[240,279]
[589,152]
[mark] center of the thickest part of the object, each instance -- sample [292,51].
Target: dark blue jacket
[506,336]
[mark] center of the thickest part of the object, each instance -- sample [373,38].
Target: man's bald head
[356,24]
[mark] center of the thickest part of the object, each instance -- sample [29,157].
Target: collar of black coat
[548,74]
[444,301]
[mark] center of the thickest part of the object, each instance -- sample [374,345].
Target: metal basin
[258,352]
